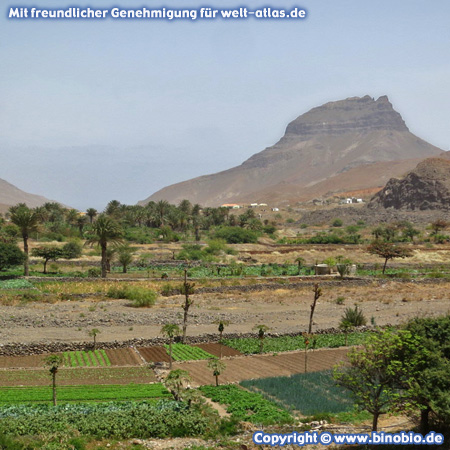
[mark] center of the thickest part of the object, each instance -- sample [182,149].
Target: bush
[10,255]
[337,223]
[94,272]
[141,297]
[352,317]
[236,235]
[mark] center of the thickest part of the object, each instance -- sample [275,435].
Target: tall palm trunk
[26,266]
[104,260]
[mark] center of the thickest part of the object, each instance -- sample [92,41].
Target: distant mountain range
[11,195]
[356,144]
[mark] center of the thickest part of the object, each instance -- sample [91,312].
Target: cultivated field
[263,366]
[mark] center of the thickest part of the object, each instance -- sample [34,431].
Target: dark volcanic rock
[427,187]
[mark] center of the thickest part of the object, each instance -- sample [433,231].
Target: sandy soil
[281,310]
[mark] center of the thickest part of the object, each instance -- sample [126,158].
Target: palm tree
[125,256]
[162,208]
[27,220]
[91,213]
[170,330]
[93,334]
[175,382]
[261,329]
[221,324]
[217,367]
[106,231]
[53,362]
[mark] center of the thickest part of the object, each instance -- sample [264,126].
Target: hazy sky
[97,110]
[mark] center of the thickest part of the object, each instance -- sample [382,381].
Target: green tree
[51,253]
[125,256]
[91,213]
[388,250]
[170,330]
[106,231]
[378,376]
[217,366]
[27,220]
[261,329]
[10,255]
[47,253]
[176,382]
[93,334]
[53,362]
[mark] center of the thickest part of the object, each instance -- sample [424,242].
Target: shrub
[94,272]
[141,297]
[236,235]
[10,255]
[352,317]
[337,223]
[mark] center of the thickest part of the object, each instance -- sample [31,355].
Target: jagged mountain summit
[11,195]
[427,187]
[353,144]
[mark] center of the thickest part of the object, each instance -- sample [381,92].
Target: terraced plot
[43,394]
[264,366]
[123,357]
[26,362]
[214,349]
[91,358]
[155,353]
[75,376]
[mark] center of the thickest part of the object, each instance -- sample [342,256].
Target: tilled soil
[264,366]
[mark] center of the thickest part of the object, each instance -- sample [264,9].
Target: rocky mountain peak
[354,114]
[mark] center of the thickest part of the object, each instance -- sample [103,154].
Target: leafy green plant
[183,352]
[309,393]
[247,406]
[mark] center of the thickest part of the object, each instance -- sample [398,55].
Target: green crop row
[16,284]
[39,394]
[309,393]
[247,406]
[289,343]
[96,358]
[182,352]
[119,420]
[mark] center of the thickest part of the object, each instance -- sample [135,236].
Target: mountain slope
[427,187]
[323,151]
[11,195]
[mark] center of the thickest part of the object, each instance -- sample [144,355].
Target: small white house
[253,205]
[348,201]
[275,209]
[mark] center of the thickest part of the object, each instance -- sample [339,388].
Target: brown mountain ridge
[11,195]
[354,144]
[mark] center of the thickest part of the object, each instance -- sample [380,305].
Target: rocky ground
[282,310]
